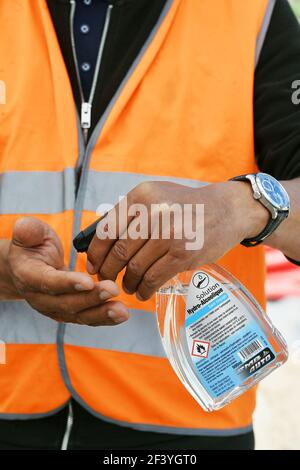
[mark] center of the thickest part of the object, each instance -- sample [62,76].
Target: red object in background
[283,277]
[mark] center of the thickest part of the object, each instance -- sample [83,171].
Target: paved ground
[277,416]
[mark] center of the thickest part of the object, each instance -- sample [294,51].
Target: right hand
[36,269]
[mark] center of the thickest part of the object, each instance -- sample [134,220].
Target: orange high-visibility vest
[183,113]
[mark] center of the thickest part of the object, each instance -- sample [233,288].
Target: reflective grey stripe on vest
[264,29]
[37,192]
[21,324]
[139,335]
[106,187]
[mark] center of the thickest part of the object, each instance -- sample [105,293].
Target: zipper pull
[86,111]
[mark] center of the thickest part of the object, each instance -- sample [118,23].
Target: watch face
[273,191]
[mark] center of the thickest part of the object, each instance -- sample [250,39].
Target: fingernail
[104,295]
[126,290]
[139,297]
[80,287]
[90,268]
[117,317]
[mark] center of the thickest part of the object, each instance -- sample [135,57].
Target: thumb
[29,232]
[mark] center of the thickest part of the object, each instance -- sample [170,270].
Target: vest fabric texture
[183,113]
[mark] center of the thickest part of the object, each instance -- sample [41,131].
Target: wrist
[251,216]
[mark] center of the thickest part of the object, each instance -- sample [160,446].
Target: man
[164,93]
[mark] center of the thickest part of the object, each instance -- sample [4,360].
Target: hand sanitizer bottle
[216,336]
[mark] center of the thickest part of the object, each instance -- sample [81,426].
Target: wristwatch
[272,195]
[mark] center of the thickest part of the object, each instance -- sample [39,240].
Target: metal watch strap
[270,227]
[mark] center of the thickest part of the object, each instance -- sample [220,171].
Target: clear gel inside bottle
[218,339]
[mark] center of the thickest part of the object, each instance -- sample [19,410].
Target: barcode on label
[249,350]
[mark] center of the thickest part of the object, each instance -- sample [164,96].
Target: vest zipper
[69,426]
[86,106]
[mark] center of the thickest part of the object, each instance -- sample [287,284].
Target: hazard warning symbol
[200,348]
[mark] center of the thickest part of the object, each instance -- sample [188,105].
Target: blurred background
[277,416]
[296,6]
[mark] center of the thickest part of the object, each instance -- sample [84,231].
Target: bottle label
[227,346]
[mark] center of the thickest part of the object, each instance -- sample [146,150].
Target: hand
[231,214]
[36,269]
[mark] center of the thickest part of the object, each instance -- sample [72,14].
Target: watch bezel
[265,195]
[278,213]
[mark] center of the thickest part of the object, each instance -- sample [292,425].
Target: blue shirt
[89,21]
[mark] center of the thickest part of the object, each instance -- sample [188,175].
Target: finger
[32,233]
[141,262]
[37,276]
[29,232]
[159,273]
[118,257]
[107,289]
[66,306]
[108,314]
[109,229]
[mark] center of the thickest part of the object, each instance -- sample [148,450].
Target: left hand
[230,214]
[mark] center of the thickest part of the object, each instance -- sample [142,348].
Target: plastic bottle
[218,339]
